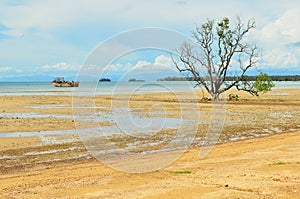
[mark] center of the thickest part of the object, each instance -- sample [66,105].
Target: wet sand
[60,166]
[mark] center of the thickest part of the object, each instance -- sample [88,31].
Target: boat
[60,82]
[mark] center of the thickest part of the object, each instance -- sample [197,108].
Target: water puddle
[155,125]
[51,151]
[34,153]
[91,116]
[49,106]
[32,115]
[58,106]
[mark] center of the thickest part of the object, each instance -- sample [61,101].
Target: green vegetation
[221,50]
[182,172]
[263,83]
[282,163]
[104,80]
[273,77]
[176,79]
[136,80]
[233,97]
[231,78]
[286,78]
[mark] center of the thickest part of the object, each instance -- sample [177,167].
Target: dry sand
[265,167]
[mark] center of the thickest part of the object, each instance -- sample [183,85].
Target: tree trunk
[215,96]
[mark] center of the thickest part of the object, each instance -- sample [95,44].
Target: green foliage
[183,172]
[224,32]
[220,44]
[274,78]
[281,163]
[263,83]
[233,78]
[233,97]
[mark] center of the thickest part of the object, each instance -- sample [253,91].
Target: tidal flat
[39,134]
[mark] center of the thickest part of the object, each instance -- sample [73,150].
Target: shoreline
[174,86]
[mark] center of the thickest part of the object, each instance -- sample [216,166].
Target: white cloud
[142,64]
[160,62]
[280,58]
[160,67]
[60,67]
[7,71]
[5,68]
[275,40]
[163,61]
[56,14]
[40,27]
[283,30]
[120,67]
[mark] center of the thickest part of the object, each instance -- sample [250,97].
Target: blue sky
[53,37]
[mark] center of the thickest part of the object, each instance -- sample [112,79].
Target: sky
[55,38]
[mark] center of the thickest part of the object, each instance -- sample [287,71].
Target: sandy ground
[265,167]
[16,143]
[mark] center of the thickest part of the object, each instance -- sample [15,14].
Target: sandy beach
[258,168]
[149,99]
[257,155]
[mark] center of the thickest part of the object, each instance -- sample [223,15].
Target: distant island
[104,80]
[230,78]
[136,80]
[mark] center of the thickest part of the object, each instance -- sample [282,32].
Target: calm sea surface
[88,88]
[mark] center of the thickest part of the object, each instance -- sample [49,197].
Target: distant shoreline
[279,78]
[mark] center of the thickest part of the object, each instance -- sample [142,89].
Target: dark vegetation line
[231,78]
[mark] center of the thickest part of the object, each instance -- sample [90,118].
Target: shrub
[233,97]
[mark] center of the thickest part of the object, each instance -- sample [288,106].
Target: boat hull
[65,84]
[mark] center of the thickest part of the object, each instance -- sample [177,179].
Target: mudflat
[257,155]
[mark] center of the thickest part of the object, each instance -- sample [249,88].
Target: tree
[220,50]
[263,83]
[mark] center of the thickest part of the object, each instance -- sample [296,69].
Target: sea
[95,88]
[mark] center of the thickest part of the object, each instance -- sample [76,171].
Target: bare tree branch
[219,44]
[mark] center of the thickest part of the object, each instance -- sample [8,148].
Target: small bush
[183,172]
[233,97]
[280,163]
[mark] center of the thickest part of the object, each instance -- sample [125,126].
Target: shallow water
[169,123]
[51,151]
[91,88]
[45,88]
